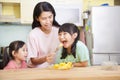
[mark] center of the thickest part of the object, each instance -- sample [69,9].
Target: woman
[43,39]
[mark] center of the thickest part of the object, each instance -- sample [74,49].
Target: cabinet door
[27,7]
[10,1]
[9,11]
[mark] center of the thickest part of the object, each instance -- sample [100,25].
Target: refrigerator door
[106,29]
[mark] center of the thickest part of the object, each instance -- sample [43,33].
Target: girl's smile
[66,39]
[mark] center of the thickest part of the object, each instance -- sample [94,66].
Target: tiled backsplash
[10,32]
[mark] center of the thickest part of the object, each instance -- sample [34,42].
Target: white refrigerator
[105,22]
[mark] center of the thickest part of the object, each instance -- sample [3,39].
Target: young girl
[73,50]
[15,56]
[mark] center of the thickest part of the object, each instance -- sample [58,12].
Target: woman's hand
[50,57]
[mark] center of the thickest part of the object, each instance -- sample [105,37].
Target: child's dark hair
[71,29]
[14,46]
[39,8]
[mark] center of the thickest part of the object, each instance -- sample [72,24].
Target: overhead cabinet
[22,10]
[9,11]
[10,1]
[27,7]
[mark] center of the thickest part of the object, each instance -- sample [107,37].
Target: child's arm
[80,64]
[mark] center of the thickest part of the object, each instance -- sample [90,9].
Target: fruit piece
[63,66]
[56,66]
[69,63]
[60,45]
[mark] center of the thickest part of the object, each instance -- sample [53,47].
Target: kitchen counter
[84,73]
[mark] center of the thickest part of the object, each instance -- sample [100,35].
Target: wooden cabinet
[10,10]
[117,2]
[27,7]
[10,1]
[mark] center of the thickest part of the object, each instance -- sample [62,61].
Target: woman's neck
[45,31]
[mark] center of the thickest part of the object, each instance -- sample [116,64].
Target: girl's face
[46,20]
[22,53]
[66,39]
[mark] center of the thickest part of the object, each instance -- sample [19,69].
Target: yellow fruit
[56,66]
[68,66]
[69,63]
[63,65]
[60,45]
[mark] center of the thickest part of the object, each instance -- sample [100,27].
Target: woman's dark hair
[14,46]
[71,29]
[39,8]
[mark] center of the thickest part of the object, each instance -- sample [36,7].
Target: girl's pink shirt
[13,65]
[40,44]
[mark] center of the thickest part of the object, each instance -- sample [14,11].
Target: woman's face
[46,20]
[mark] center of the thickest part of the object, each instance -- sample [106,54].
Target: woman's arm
[48,58]
[37,61]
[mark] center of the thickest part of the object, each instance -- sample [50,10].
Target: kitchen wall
[12,31]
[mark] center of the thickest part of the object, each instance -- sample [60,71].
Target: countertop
[81,73]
